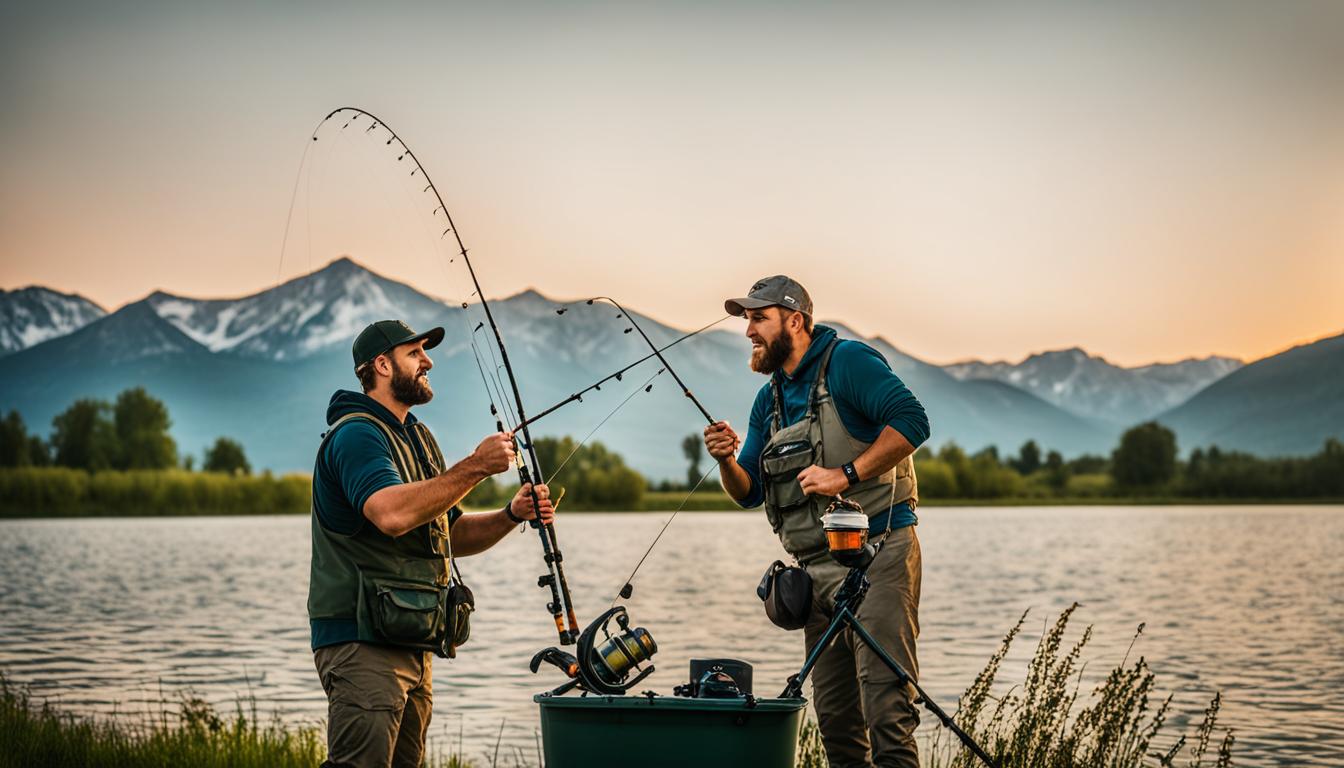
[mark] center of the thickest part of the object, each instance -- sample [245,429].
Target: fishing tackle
[603,665]
[685,390]
[561,605]
[616,376]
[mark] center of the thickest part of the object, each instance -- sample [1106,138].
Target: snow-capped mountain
[304,316]
[32,315]
[1089,386]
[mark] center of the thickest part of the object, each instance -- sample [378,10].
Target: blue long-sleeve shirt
[867,394]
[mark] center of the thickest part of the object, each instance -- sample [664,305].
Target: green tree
[1028,458]
[1145,458]
[82,436]
[39,453]
[1057,472]
[142,431]
[226,456]
[592,475]
[690,446]
[14,445]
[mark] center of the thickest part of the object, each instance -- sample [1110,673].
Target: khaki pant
[378,704]
[865,717]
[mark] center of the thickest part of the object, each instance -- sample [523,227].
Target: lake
[100,615]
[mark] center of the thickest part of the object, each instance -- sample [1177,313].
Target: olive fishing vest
[820,438]
[343,564]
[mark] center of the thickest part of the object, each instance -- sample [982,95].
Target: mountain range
[261,368]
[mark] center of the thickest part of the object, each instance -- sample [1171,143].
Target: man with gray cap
[385,527]
[834,420]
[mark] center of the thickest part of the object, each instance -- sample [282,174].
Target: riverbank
[49,492]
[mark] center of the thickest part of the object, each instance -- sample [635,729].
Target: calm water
[119,614]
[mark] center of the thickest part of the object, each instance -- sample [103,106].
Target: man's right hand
[495,453]
[721,441]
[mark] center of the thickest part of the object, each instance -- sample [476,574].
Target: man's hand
[819,481]
[521,506]
[496,453]
[721,441]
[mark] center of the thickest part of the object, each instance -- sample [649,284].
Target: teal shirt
[868,396]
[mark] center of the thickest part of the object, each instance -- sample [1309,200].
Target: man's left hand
[521,506]
[819,481]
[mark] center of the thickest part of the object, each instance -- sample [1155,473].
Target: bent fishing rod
[561,605]
[616,376]
[685,390]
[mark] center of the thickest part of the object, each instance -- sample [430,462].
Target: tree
[14,446]
[690,446]
[142,431]
[1028,458]
[1145,458]
[83,437]
[226,456]
[1057,473]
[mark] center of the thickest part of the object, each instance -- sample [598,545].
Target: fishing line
[646,386]
[684,389]
[628,589]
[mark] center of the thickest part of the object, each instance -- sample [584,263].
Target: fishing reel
[603,661]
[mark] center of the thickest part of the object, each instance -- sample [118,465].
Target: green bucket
[667,731]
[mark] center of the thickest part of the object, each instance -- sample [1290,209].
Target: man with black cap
[834,420]
[385,528]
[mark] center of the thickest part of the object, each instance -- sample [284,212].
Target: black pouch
[787,594]
[460,604]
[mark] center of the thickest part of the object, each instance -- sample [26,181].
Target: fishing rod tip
[562,310]
[590,302]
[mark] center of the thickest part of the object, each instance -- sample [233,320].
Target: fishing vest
[820,438]
[346,568]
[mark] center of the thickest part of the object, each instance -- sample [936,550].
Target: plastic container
[669,731]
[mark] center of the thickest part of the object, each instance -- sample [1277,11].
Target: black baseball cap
[383,335]
[779,290]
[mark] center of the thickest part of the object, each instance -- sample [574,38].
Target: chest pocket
[781,463]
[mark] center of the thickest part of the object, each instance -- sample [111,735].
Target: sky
[1147,180]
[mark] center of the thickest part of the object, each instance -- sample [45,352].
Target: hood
[343,402]
[821,338]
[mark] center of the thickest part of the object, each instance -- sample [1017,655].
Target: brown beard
[410,389]
[773,355]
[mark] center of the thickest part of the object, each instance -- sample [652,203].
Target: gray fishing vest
[820,438]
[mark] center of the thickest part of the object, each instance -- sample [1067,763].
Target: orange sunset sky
[1150,181]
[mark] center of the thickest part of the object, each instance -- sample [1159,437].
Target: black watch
[851,473]
[508,510]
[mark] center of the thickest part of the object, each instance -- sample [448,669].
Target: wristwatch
[851,473]
[508,510]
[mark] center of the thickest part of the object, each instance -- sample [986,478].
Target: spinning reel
[603,664]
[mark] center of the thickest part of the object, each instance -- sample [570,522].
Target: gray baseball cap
[779,290]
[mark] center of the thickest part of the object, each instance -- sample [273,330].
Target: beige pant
[378,704]
[865,717]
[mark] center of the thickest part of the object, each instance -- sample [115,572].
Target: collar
[822,335]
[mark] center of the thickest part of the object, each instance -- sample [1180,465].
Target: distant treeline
[1145,465]
[118,459]
[95,435]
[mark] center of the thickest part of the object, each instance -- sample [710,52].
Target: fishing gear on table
[561,605]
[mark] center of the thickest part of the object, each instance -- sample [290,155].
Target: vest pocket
[404,613]
[781,464]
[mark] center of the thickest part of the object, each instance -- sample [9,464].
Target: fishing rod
[561,605]
[612,376]
[685,390]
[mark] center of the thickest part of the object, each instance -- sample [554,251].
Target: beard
[770,358]
[410,388]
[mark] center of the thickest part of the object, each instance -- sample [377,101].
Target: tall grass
[63,492]
[189,733]
[1044,723]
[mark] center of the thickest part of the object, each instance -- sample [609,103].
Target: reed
[1043,723]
